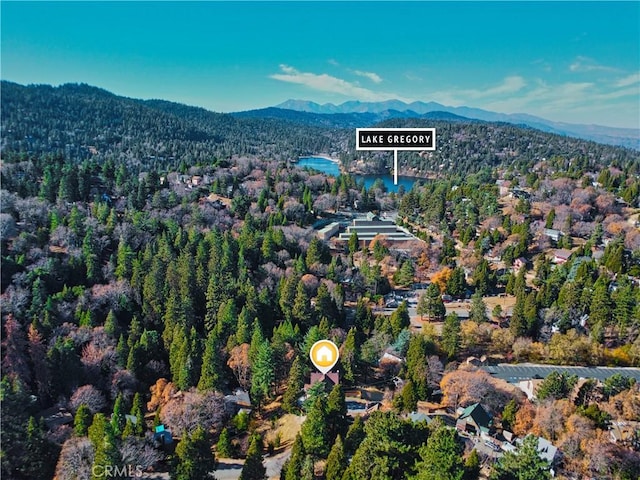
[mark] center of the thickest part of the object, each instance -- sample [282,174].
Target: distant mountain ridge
[344,120]
[625,137]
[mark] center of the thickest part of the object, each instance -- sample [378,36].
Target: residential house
[475,420]
[561,255]
[518,263]
[553,234]
[547,451]
[162,436]
[330,379]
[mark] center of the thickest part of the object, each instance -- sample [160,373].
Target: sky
[576,62]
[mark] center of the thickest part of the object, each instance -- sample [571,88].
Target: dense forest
[157,258]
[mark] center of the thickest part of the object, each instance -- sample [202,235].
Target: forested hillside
[84,122]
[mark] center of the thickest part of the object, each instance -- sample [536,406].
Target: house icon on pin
[324,354]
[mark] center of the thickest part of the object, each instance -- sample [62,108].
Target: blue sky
[576,62]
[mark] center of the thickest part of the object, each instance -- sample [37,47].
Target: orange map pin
[324,355]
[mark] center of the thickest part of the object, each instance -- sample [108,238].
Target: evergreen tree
[293,466]
[308,469]
[314,432]
[336,412]
[457,283]
[354,437]
[550,218]
[118,419]
[556,385]
[349,356]
[104,443]
[518,323]
[478,311]
[295,383]
[400,319]
[302,311]
[408,398]
[404,275]
[325,306]
[417,371]
[524,464]
[364,319]
[193,459]
[440,458]
[354,243]
[253,469]
[82,420]
[431,303]
[600,309]
[224,448]
[211,376]
[262,373]
[482,279]
[472,466]
[40,455]
[451,335]
[337,461]
[138,412]
[509,414]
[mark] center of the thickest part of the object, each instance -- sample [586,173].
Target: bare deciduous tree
[76,458]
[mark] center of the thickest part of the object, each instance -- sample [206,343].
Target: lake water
[329,167]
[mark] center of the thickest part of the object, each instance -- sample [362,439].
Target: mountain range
[373,112]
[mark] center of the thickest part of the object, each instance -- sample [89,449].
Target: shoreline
[325,157]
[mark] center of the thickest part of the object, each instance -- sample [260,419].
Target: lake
[330,167]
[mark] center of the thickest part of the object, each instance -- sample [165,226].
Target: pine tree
[524,464]
[262,373]
[224,448]
[302,311]
[118,419]
[104,443]
[211,373]
[336,412]
[457,284]
[400,319]
[82,420]
[315,434]
[294,464]
[355,435]
[409,397]
[295,383]
[600,310]
[253,468]
[472,466]
[440,458]
[431,304]
[337,461]
[518,323]
[40,455]
[349,356]
[353,244]
[138,412]
[451,335]
[478,309]
[194,459]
